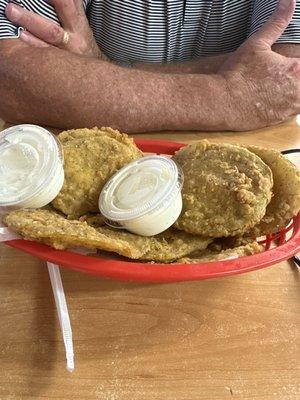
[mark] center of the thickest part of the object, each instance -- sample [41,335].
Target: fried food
[226,189]
[227,201]
[209,255]
[50,227]
[94,220]
[85,133]
[285,203]
[91,157]
[229,242]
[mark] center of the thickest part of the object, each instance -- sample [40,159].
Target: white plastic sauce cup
[144,197]
[31,167]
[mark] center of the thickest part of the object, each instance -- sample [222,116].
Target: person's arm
[53,87]
[68,29]
[255,88]
[41,32]
[289,45]
[205,65]
[287,49]
[211,65]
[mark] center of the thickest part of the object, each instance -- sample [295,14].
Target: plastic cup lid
[35,171]
[141,187]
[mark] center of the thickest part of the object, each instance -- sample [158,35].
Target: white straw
[63,313]
[6,235]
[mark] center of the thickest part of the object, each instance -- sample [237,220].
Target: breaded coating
[85,133]
[209,255]
[285,203]
[91,157]
[51,228]
[94,220]
[226,189]
[229,242]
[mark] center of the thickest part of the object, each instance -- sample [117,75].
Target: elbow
[11,117]
[9,110]
[10,107]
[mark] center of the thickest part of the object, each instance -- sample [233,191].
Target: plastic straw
[63,313]
[6,234]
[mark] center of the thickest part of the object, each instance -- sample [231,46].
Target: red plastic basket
[284,249]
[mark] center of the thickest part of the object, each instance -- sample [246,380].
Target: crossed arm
[48,85]
[211,65]
[55,88]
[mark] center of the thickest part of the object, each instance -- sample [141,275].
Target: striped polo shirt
[160,31]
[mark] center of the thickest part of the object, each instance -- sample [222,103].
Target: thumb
[275,26]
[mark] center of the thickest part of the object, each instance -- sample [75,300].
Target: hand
[75,35]
[263,86]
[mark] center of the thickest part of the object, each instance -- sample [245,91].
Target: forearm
[205,65]
[287,49]
[59,89]
[211,65]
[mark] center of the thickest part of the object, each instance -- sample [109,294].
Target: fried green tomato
[226,189]
[209,255]
[51,228]
[91,157]
[285,203]
[86,133]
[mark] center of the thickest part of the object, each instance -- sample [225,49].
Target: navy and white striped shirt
[162,31]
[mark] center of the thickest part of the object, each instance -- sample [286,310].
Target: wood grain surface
[230,338]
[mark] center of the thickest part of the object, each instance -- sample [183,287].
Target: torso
[168,30]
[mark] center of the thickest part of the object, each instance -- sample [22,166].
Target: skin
[251,88]
[95,93]
[211,65]
[41,32]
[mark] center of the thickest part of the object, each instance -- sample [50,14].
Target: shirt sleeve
[42,7]
[262,10]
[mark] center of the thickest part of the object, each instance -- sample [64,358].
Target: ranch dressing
[31,167]
[144,197]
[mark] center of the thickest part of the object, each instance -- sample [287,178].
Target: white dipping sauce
[31,167]
[144,197]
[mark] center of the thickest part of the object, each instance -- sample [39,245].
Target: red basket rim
[143,272]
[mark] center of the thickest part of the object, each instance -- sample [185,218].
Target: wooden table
[230,338]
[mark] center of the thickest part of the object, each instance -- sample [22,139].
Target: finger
[39,26]
[275,26]
[28,38]
[70,13]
